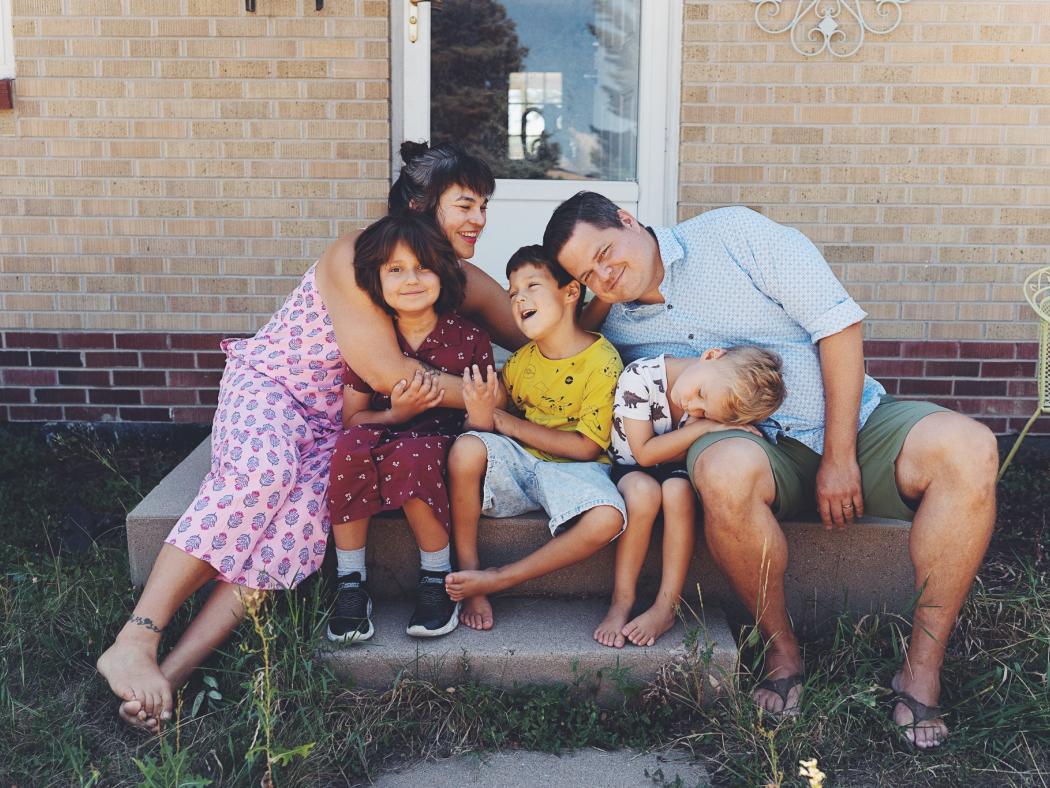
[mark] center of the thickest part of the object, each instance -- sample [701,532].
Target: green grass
[63,597]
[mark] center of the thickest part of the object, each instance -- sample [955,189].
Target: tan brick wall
[920,165]
[174,166]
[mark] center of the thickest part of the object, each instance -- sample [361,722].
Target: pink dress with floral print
[261,516]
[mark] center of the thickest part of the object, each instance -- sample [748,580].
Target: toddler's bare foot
[476,612]
[645,630]
[609,632]
[134,716]
[130,667]
[471,582]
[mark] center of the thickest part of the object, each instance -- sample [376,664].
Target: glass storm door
[557,96]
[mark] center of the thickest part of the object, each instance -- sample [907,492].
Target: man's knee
[731,473]
[949,447]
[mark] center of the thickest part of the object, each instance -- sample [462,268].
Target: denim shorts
[517,482]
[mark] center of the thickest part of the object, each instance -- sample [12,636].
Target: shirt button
[690,336]
[670,306]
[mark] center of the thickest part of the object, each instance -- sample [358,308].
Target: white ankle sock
[437,561]
[348,561]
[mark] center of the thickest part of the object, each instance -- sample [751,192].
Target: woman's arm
[365,333]
[569,444]
[486,302]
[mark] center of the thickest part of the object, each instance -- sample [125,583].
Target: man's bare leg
[595,529]
[467,461]
[211,627]
[130,664]
[679,503]
[641,494]
[948,463]
[735,483]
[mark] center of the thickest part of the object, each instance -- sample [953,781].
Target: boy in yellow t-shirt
[554,458]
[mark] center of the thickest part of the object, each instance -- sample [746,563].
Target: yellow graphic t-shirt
[572,394]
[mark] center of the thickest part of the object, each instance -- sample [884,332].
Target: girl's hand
[409,399]
[479,398]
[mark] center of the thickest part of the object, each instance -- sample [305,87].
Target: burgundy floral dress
[377,467]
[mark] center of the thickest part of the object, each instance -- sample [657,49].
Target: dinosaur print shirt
[641,394]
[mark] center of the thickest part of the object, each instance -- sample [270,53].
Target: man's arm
[569,444]
[839,494]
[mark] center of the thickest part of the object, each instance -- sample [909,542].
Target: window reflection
[541,89]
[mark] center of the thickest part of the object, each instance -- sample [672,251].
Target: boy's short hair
[533,254]
[375,246]
[757,388]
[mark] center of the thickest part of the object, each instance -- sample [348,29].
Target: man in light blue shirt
[731,277]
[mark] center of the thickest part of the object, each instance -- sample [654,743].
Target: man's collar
[671,250]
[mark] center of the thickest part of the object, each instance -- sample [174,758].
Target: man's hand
[840,497]
[479,398]
[410,398]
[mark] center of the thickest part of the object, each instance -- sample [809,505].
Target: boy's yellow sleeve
[596,409]
[509,374]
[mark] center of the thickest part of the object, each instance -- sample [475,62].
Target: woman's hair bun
[411,150]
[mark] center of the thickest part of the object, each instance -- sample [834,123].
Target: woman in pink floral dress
[260,520]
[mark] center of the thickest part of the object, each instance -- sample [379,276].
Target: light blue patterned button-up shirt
[734,277]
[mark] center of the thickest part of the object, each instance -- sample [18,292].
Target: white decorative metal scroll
[837,26]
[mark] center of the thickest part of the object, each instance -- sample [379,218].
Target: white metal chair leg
[1017,445]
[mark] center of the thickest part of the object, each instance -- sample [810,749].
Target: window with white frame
[7,41]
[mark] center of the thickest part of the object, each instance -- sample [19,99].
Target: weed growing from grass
[59,608]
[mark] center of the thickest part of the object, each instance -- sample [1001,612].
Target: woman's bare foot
[130,667]
[608,632]
[780,666]
[645,630]
[134,716]
[470,582]
[924,733]
[477,612]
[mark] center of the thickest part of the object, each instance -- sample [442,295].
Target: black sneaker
[351,619]
[435,613]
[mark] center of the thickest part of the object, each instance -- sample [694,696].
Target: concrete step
[522,769]
[536,641]
[863,569]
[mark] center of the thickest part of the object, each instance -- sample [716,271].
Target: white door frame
[660,81]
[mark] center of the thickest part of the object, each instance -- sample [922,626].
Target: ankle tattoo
[145,622]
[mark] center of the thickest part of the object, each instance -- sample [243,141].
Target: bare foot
[470,582]
[924,733]
[130,667]
[134,716]
[477,612]
[645,630]
[608,632]
[780,666]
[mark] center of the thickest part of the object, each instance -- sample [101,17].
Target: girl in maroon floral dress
[392,453]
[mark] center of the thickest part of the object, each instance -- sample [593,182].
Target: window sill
[7,94]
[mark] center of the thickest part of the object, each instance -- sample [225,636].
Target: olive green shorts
[795,465]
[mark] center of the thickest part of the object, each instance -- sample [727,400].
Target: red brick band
[103,376]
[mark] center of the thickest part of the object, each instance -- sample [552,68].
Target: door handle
[413,17]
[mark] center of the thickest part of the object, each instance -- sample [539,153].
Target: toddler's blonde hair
[758,386]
